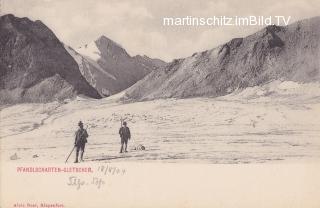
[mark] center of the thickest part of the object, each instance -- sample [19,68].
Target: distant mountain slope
[34,66]
[274,53]
[109,68]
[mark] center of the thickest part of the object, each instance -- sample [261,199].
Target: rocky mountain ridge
[109,68]
[34,66]
[274,53]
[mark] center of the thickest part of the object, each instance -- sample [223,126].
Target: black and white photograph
[145,86]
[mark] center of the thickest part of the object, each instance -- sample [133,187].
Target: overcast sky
[137,24]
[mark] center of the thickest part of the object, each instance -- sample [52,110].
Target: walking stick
[70,154]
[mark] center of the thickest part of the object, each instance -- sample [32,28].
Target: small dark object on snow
[14,157]
[35,156]
[140,147]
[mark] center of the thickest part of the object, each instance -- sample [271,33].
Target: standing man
[125,135]
[80,141]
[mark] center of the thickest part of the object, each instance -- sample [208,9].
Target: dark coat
[81,137]
[124,132]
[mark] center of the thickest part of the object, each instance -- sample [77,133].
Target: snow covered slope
[276,122]
[109,68]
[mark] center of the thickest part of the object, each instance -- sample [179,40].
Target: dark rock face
[274,53]
[34,66]
[109,68]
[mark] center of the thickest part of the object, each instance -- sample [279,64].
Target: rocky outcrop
[274,53]
[34,65]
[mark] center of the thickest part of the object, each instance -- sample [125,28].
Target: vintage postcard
[171,103]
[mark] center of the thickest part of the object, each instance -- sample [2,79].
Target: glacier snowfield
[275,123]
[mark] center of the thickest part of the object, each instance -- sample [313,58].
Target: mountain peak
[8,16]
[106,40]
[109,47]
[35,67]
[12,18]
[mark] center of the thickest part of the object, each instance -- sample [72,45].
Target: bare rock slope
[274,53]
[34,65]
[109,68]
